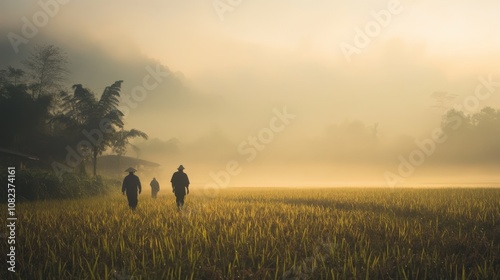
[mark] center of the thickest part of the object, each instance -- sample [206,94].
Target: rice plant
[257,233]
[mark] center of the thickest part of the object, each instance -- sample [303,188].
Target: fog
[262,93]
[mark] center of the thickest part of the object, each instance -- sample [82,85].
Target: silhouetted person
[180,185]
[155,187]
[132,186]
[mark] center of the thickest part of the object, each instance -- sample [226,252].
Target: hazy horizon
[328,103]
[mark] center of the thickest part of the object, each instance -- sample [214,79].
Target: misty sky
[231,67]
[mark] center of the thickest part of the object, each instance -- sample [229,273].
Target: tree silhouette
[15,74]
[122,137]
[22,118]
[85,114]
[47,66]
[121,141]
[473,137]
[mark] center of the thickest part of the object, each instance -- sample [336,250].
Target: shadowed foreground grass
[264,234]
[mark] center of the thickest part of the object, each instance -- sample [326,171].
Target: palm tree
[120,141]
[86,114]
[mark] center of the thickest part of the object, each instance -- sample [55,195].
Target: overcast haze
[230,72]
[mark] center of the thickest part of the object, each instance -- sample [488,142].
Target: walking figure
[155,187]
[132,187]
[180,185]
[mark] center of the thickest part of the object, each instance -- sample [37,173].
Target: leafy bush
[37,184]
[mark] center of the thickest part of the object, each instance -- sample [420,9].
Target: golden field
[264,233]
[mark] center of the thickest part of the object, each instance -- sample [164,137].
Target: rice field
[264,233]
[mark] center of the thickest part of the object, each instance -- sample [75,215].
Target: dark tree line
[473,137]
[39,117]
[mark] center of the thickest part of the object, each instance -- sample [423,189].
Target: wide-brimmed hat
[180,167]
[130,169]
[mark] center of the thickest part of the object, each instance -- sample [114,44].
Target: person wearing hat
[180,185]
[132,187]
[155,187]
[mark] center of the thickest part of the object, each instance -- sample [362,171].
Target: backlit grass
[265,234]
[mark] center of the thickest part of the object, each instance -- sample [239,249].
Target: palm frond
[110,98]
[133,133]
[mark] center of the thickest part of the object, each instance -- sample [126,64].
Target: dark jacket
[155,186]
[131,184]
[180,182]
